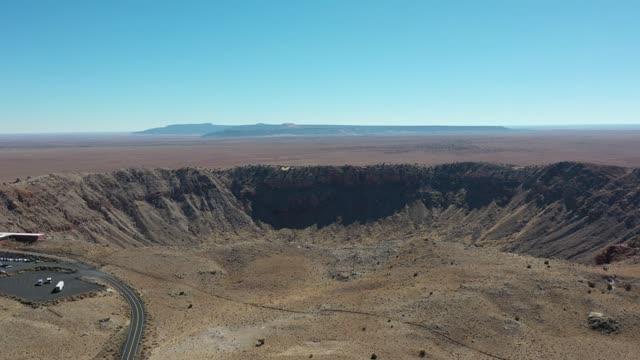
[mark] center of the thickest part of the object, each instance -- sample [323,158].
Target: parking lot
[23,282]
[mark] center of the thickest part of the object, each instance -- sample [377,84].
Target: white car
[40,282]
[48,281]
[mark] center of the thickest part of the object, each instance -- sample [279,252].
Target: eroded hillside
[566,210]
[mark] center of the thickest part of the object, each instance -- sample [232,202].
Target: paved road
[136,326]
[132,343]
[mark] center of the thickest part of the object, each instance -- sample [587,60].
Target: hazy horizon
[515,127]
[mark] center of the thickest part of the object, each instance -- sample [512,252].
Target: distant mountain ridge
[184,129]
[289,129]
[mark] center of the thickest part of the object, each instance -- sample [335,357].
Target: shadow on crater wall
[302,197]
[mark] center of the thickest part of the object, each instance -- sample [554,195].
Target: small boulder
[12,205]
[344,276]
[604,325]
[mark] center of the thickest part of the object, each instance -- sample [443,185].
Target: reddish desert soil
[88,328]
[33,155]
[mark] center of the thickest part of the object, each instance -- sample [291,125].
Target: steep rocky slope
[129,207]
[567,210]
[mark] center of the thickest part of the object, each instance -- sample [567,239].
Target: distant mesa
[291,129]
[184,129]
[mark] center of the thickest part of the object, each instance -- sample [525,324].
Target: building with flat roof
[28,237]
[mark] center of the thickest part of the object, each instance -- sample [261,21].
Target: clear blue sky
[128,65]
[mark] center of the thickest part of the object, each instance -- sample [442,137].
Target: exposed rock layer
[567,210]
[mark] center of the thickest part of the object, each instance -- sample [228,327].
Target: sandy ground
[33,155]
[392,297]
[89,328]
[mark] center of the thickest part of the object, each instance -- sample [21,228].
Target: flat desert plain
[34,155]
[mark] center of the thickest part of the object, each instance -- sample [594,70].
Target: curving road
[136,326]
